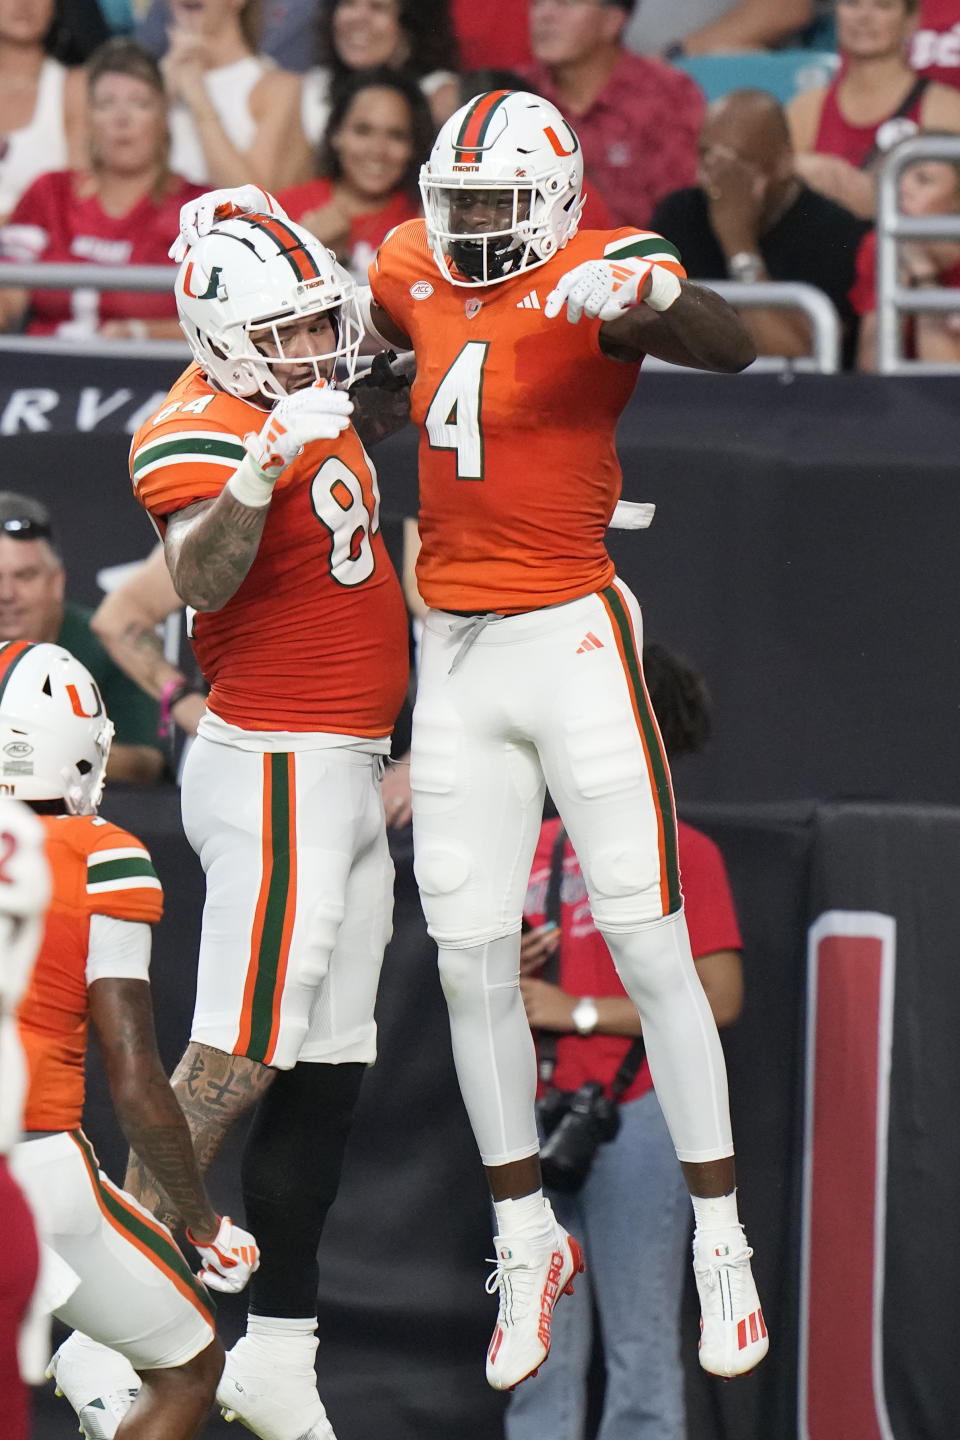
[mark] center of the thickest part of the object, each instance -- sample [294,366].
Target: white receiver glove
[318,413]
[605,289]
[229,1259]
[198,217]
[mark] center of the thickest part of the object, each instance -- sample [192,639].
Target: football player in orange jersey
[118,1276]
[530,671]
[268,506]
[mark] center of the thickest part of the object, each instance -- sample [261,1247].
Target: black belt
[39,1134]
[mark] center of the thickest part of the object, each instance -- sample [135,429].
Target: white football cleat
[531,1277]
[99,1383]
[733,1334]
[273,1399]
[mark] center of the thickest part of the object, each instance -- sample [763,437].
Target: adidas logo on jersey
[589,642]
[529,302]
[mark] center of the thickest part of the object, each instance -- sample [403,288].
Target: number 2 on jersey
[453,419]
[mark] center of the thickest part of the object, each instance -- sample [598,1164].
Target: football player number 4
[453,419]
[337,497]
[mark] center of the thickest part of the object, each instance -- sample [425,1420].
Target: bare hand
[397,796]
[331,225]
[185,63]
[547,1006]
[536,947]
[736,193]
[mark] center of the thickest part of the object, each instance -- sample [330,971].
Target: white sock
[529,1216]
[298,1337]
[717,1212]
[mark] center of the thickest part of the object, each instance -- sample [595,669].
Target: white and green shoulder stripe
[124,868]
[644,244]
[187,447]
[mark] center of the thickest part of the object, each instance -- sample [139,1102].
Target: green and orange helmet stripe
[11,654]
[288,242]
[475,127]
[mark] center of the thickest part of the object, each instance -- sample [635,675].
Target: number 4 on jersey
[453,419]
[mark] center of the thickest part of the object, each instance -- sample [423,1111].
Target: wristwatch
[585,1016]
[746,266]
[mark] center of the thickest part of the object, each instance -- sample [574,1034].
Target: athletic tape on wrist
[664,288]
[250,485]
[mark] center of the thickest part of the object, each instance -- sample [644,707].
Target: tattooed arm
[145,1105]
[210,546]
[213,1090]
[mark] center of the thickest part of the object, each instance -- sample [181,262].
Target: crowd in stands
[332,104]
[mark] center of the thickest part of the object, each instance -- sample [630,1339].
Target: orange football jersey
[315,638]
[97,869]
[518,469]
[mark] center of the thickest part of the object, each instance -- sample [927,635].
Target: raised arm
[750,25]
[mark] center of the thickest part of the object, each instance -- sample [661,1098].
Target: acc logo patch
[17,749]
[422,290]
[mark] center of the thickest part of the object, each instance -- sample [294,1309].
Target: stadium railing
[895,301]
[820,310]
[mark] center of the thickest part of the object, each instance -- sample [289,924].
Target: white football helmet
[512,159]
[54,733]
[255,272]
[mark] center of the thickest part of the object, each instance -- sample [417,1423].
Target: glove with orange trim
[229,1259]
[198,217]
[320,412]
[605,289]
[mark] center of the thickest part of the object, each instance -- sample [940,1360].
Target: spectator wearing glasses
[636,119]
[33,607]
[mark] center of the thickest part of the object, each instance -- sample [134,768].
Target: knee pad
[623,882]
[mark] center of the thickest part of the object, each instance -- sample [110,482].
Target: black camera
[574,1126]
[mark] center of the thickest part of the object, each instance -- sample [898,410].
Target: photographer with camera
[609,1167]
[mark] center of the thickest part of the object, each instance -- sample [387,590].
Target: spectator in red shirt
[637,119]
[123,210]
[841,130]
[930,187]
[630,1209]
[378,135]
[935,49]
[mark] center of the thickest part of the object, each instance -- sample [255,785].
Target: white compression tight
[686,1059]
[496,1063]
[492,1046]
